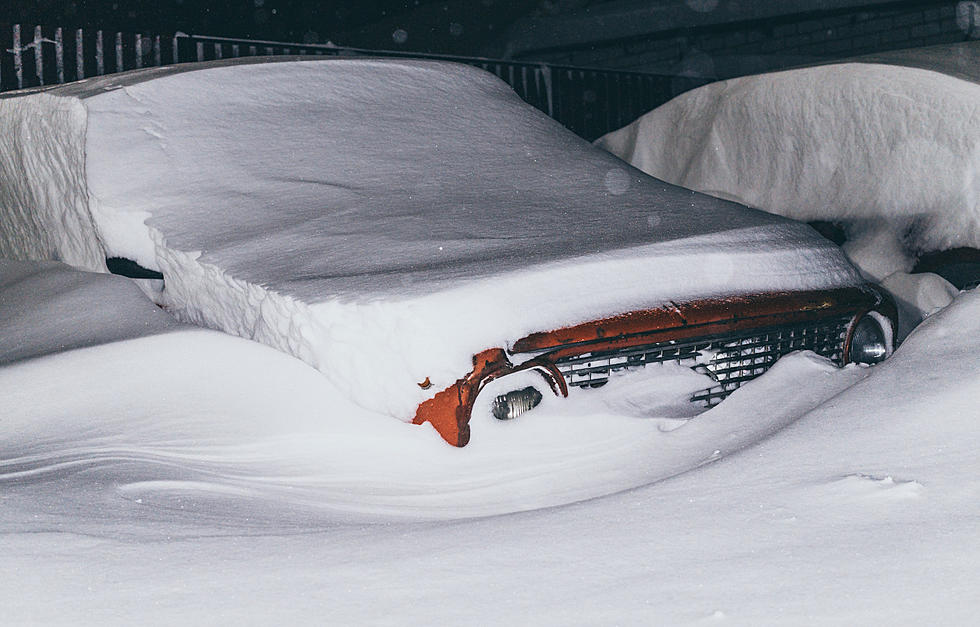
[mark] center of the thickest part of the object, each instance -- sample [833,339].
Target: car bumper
[732,340]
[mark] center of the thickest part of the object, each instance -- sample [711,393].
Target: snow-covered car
[415,231]
[883,151]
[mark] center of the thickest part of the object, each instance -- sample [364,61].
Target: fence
[590,102]
[34,56]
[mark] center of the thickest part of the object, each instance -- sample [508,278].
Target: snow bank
[49,307]
[862,143]
[222,480]
[174,417]
[382,220]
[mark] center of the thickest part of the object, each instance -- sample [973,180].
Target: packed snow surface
[383,220]
[192,477]
[889,147]
[879,146]
[48,308]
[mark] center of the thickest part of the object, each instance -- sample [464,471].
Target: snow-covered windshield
[347,177]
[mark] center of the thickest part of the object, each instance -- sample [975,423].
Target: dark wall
[705,38]
[749,46]
[293,20]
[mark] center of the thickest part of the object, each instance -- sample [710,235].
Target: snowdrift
[173,414]
[48,307]
[891,146]
[383,220]
[213,480]
[110,391]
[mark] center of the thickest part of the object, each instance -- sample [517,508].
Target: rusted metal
[704,317]
[449,410]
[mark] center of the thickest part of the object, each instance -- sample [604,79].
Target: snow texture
[199,413]
[850,142]
[43,192]
[48,308]
[382,220]
[192,477]
[890,147]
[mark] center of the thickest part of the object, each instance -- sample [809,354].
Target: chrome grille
[729,359]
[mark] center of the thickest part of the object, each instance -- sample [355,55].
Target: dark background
[458,26]
[690,38]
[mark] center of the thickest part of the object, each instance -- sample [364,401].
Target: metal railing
[588,101]
[33,56]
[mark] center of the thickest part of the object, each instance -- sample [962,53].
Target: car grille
[730,359]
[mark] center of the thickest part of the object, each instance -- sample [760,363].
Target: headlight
[868,342]
[512,404]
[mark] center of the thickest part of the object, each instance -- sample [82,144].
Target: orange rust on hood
[449,411]
[704,317]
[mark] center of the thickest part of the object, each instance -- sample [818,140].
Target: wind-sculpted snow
[49,308]
[192,476]
[44,212]
[890,147]
[385,220]
[205,422]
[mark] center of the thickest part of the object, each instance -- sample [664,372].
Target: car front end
[731,340]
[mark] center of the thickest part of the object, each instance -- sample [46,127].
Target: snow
[42,182]
[847,142]
[208,405]
[889,146]
[155,472]
[382,220]
[77,309]
[194,477]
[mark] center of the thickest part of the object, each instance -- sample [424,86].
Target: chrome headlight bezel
[870,339]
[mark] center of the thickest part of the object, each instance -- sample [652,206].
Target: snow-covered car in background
[415,231]
[883,150]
